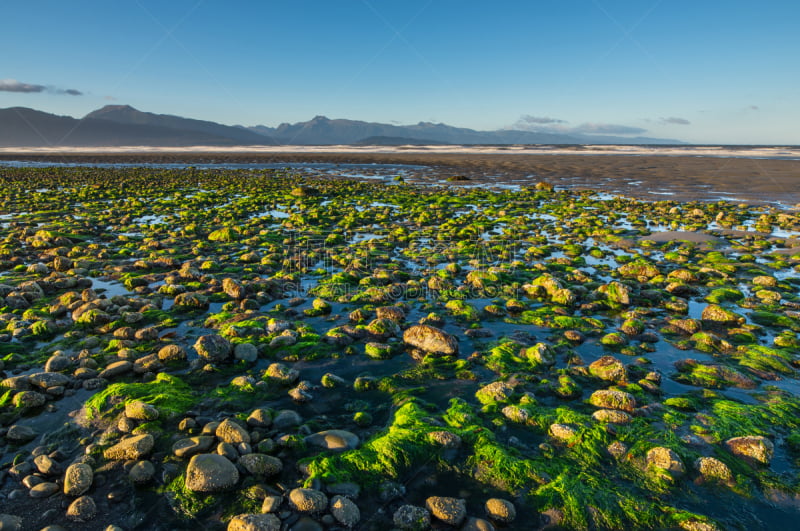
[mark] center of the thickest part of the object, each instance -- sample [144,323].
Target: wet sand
[680,178]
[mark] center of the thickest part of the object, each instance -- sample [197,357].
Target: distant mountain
[322,130]
[24,127]
[122,125]
[125,114]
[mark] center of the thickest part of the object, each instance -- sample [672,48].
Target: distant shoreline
[651,175]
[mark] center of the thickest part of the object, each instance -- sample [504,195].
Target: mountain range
[122,125]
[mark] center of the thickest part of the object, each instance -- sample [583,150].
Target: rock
[43,490]
[170,353]
[608,368]
[616,293]
[46,465]
[135,447]
[142,472]
[563,432]
[210,473]
[431,340]
[451,511]
[192,446]
[498,391]
[56,363]
[412,518]
[213,348]
[29,399]
[345,511]
[271,504]
[612,399]
[306,523]
[245,352]
[82,509]
[233,289]
[286,418]
[720,315]
[231,432]
[752,448]
[78,479]
[336,440]
[667,460]
[711,468]
[541,354]
[10,522]
[138,410]
[392,313]
[260,418]
[500,510]
[445,439]
[48,379]
[254,522]
[308,500]
[20,434]
[115,369]
[261,465]
[612,416]
[477,524]
[282,373]
[617,449]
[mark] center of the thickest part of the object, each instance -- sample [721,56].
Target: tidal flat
[308,349]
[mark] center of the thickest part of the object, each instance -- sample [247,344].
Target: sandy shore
[705,178]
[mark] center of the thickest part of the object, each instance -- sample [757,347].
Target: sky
[714,72]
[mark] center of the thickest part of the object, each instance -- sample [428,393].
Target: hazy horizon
[708,73]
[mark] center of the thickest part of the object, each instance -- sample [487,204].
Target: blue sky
[702,71]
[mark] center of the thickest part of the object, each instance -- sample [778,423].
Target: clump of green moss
[167,392]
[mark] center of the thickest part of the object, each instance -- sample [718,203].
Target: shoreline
[649,177]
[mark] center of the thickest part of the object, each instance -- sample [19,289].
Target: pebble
[78,479]
[82,509]
[308,500]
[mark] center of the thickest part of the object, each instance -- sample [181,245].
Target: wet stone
[451,511]
[210,473]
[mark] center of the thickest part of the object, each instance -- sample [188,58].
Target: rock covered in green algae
[431,340]
[138,410]
[613,399]
[667,460]
[753,448]
[608,368]
[210,473]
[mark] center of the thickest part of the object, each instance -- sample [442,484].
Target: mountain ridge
[121,125]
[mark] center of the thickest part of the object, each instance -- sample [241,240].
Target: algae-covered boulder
[210,473]
[667,460]
[431,340]
[616,293]
[214,348]
[541,354]
[719,315]
[613,399]
[495,392]
[639,270]
[752,448]
[138,410]
[608,368]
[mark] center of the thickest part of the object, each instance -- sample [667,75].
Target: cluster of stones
[453,512]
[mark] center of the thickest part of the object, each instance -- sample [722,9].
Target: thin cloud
[546,124]
[754,108]
[607,129]
[673,120]
[12,85]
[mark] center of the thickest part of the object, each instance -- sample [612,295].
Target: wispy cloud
[546,124]
[674,120]
[12,85]
[527,119]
